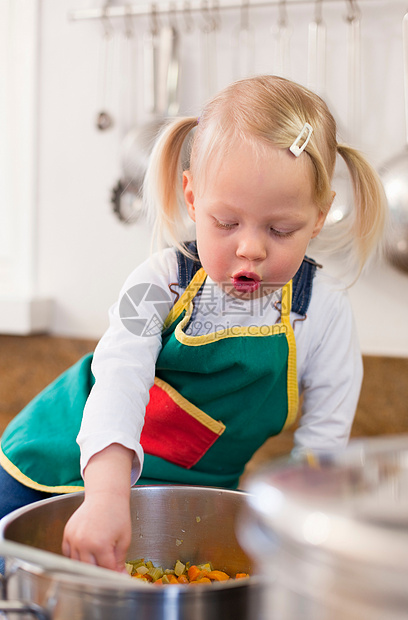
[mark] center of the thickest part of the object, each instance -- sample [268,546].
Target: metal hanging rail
[132,10]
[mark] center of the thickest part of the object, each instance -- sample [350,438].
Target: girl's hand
[99,532]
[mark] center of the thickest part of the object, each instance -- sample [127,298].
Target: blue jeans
[14,495]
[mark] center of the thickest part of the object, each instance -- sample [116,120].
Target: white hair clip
[305,134]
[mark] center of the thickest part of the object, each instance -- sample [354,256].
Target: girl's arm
[330,368]
[99,532]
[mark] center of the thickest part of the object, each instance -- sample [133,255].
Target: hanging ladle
[316,74]
[283,36]
[209,36]
[139,142]
[394,175]
[341,209]
[243,45]
[162,84]
[104,119]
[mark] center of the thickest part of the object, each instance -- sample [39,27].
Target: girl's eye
[282,233]
[225,225]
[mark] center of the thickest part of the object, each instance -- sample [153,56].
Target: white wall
[83,252]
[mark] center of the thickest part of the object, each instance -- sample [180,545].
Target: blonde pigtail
[371,210]
[163,188]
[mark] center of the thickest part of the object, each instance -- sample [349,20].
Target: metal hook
[353,11]
[154,20]
[205,12]
[106,22]
[245,15]
[283,14]
[129,30]
[318,15]
[172,15]
[210,19]
[188,18]
[217,14]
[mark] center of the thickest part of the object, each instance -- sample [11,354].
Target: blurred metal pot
[394,175]
[330,532]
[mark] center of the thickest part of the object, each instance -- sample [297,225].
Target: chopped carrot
[158,582]
[172,579]
[241,575]
[198,581]
[145,577]
[193,572]
[182,579]
[218,575]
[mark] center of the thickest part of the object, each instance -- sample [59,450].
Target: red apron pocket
[175,429]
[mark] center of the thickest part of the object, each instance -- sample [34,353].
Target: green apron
[39,447]
[241,382]
[216,400]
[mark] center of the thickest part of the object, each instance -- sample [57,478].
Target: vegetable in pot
[193,574]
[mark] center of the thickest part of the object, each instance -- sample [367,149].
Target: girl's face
[254,219]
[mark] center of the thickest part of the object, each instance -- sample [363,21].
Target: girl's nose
[252,247]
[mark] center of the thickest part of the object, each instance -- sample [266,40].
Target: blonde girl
[214,337]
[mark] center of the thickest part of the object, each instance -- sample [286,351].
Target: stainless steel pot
[195,524]
[330,532]
[394,174]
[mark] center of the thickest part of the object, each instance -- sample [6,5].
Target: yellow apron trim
[215,426]
[286,301]
[229,332]
[11,469]
[312,460]
[293,391]
[186,298]
[237,330]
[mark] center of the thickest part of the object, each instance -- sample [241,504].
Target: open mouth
[245,283]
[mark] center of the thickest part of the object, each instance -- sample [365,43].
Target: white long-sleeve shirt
[329,364]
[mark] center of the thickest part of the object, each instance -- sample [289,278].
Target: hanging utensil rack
[187,6]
